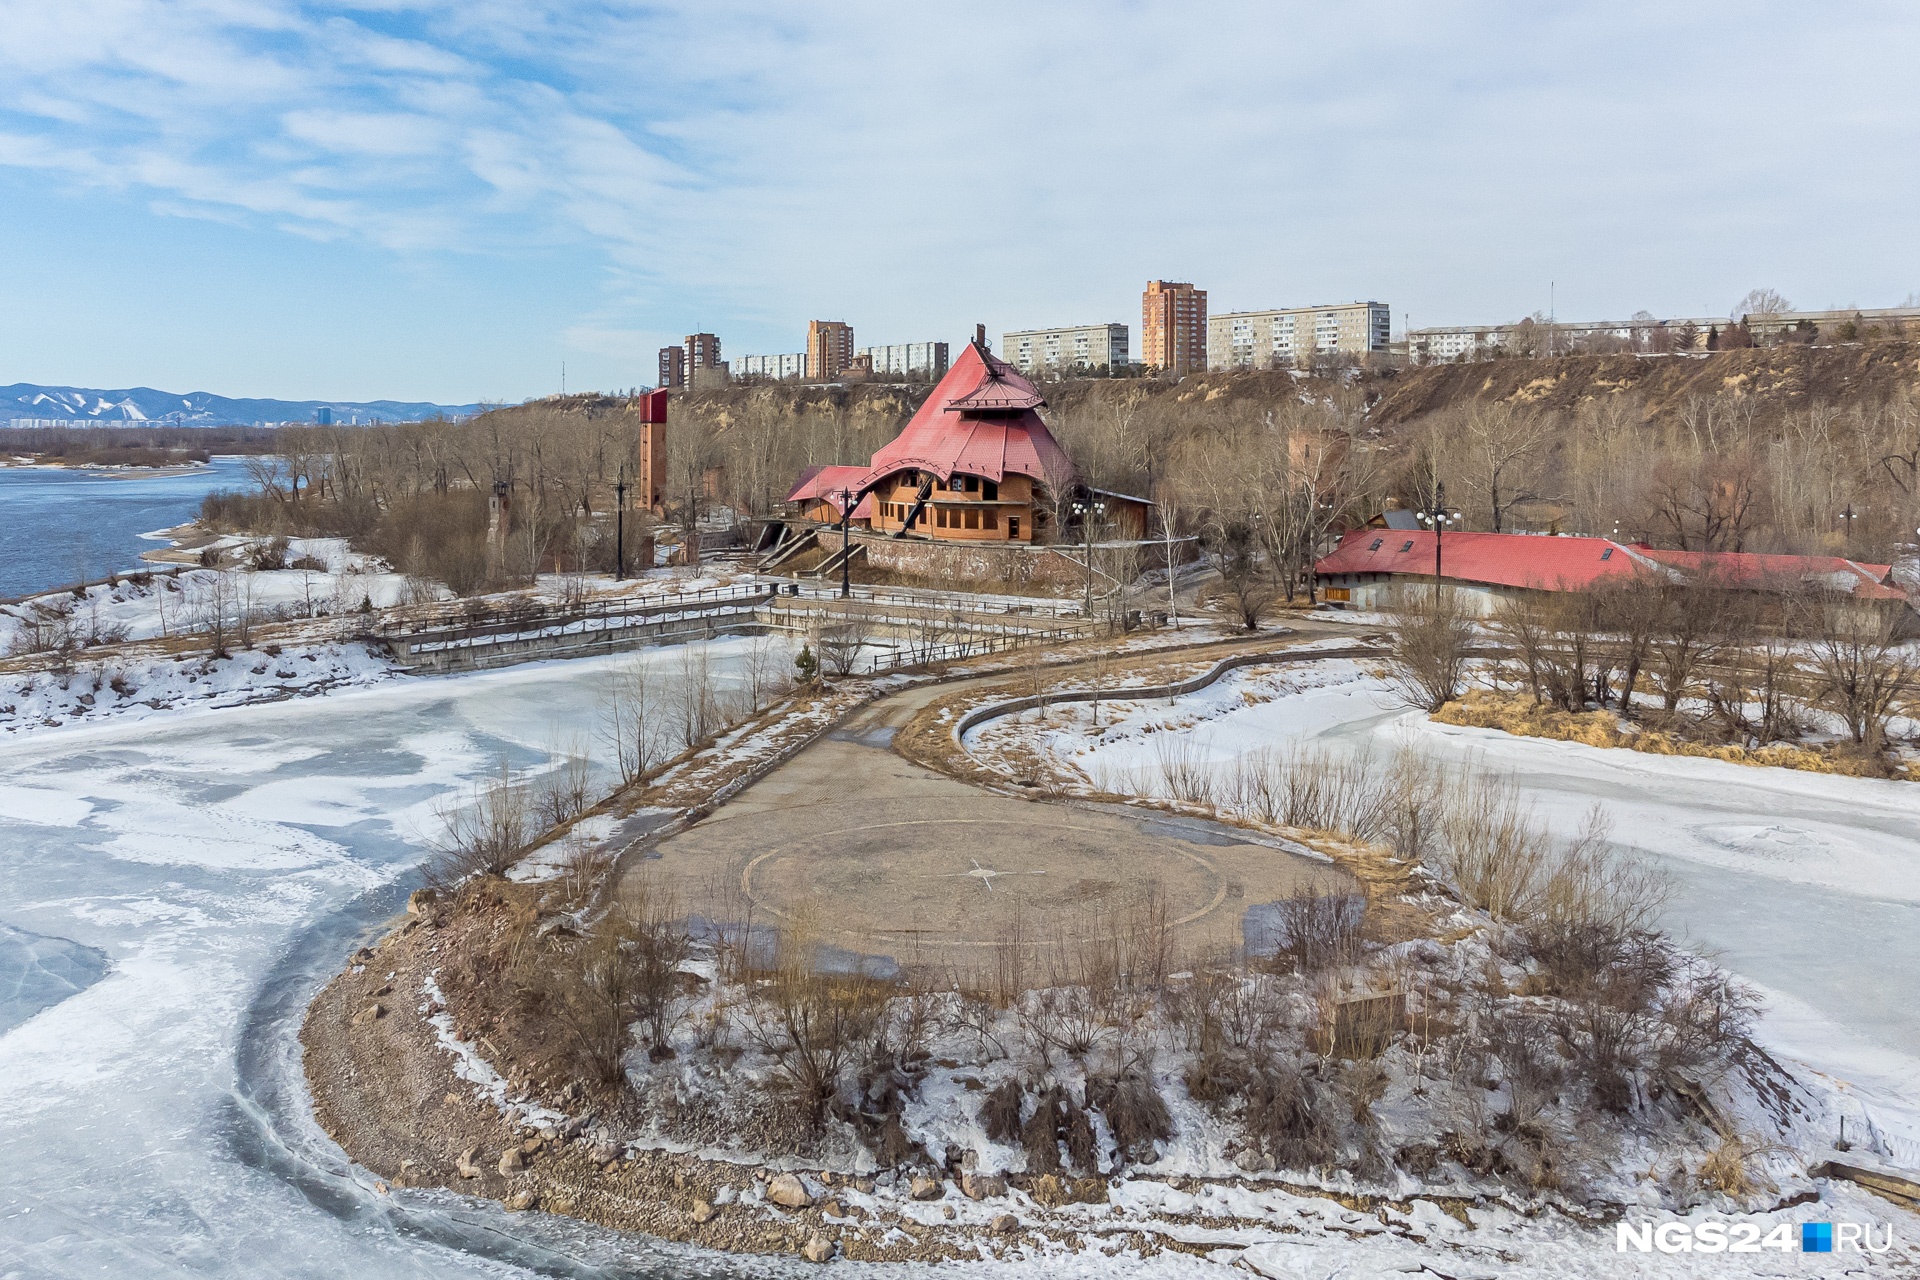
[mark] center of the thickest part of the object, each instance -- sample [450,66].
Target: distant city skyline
[447,203]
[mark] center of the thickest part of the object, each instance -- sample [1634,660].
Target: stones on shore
[788,1192]
[520,1201]
[1005,1224]
[979,1186]
[603,1153]
[818,1249]
[369,1015]
[1049,1190]
[511,1161]
[419,900]
[703,1212]
[465,1165]
[923,1187]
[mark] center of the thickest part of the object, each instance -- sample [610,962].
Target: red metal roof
[830,484]
[979,420]
[1754,570]
[1500,559]
[1578,564]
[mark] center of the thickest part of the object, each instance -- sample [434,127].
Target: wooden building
[975,464]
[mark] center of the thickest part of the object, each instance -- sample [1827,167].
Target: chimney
[980,336]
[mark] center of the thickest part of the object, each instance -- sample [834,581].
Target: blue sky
[447,201]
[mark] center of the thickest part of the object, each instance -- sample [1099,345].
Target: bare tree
[1431,636]
[1864,668]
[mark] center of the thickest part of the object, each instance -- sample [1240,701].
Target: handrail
[994,710]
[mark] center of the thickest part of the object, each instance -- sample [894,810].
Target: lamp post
[620,526]
[1089,509]
[846,543]
[1438,516]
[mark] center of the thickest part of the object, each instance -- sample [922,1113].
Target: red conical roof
[979,420]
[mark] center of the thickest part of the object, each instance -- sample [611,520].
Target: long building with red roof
[975,464]
[1363,570]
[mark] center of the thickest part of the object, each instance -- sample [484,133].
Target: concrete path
[872,853]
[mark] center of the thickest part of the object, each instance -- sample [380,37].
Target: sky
[451,201]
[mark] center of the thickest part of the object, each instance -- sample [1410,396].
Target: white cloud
[745,165]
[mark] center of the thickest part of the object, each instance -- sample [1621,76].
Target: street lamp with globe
[1439,517]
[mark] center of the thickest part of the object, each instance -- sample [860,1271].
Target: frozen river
[172,892]
[1805,885]
[170,895]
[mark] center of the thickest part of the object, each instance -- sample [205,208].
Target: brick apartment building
[829,349]
[1173,327]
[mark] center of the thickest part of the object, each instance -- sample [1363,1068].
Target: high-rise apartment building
[703,352]
[829,348]
[904,359]
[1087,346]
[1289,335]
[673,368]
[792,364]
[1173,327]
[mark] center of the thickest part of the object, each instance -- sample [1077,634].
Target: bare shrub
[695,706]
[1864,667]
[656,943]
[1288,1116]
[1431,635]
[483,834]
[625,970]
[839,644]
[1184,776]
[813,1024]
[269,554]
[563,792]
[1136,1114]
[1000,1112]
[634,719]
[1317,929]
[767,671]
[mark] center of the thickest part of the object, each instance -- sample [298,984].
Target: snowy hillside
[37,404]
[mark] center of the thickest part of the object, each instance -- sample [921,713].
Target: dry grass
[1518,714]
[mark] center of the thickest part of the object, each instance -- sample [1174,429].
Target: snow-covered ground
[1806,885]
[217,864]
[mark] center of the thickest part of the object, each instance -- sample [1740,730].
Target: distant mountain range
[24,403]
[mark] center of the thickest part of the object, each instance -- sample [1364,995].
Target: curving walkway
[877,855]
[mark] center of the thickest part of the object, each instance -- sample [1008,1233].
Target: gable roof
[1549,563]
[830,484]
[1756,571]
[1536,561]
[980,419]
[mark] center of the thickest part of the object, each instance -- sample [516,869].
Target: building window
[1607,554]
[973,519]
[1376,544]
[1407,545]
[1013,526]
[990,520]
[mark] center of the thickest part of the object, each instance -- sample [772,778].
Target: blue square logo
[1816,1237]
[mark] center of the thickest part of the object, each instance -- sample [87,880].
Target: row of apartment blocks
[1178,336]
[1534,336]
[830,354]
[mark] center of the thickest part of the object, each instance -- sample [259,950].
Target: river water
[218,866]
[59,526]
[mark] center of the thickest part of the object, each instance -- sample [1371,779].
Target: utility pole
[620,526]
[1088,510]
[1437,517]
[846,543]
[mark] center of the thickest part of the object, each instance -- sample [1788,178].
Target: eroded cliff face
[1779,378]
